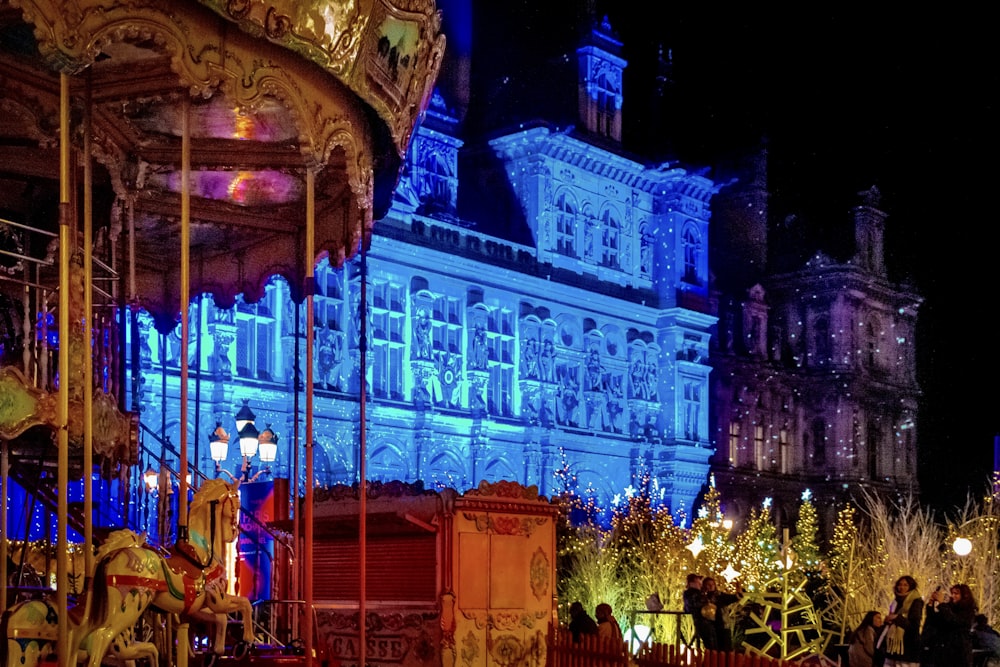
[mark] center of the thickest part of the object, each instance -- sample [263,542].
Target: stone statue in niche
[422,335]
[595,370]
[480,350]
[220,364]
[652,381]
[529,359]
[645,256]
[614,411]
[567,400]
[638,378]
[329,357]
[546,362]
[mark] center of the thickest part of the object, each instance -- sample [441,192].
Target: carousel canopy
[265,91]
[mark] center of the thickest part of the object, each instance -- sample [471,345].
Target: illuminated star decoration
[807,495]
[730,573]
[629,491]
[767,503]
[696,547]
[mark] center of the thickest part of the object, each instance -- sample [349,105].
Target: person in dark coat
[721,600]
[902,637]
[580,622]
[703,615]
[862,651]
[986,640]
[947,634]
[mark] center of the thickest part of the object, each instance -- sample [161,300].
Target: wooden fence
[594,652]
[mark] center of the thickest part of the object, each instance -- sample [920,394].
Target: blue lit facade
[557,336]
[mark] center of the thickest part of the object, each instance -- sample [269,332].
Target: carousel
[151,152]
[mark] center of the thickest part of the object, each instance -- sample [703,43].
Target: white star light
[629,491]
[730,574]
[807,495]
[767,503]
[696,547]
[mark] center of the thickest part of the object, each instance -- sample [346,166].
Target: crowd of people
[943,630]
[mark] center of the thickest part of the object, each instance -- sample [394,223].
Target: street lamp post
[263,444]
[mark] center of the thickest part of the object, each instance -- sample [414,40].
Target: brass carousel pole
[3,522]
[182,467]
[88,358]
[62,420]
[307,514]
[362,468]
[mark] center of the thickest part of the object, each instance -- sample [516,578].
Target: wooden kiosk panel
[458,580]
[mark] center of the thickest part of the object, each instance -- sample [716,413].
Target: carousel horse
[129,577]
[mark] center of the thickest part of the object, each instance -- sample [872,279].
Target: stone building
[545,307]
[560,338]
[814,376]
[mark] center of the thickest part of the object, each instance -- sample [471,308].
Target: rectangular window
[395,372]
[255,339]
[501,390]
[784,451]
[379,295]
[378,369]
[263,347]
[566,234]
[734,442]
[692,409]
[759,452]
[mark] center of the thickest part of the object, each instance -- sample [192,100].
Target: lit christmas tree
[806,531]
[758,550]
[844,606]
[710,530]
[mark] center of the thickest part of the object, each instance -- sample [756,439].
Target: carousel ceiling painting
[273,110]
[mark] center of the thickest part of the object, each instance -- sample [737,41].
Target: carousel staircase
[33,465]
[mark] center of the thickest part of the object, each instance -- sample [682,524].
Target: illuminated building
[566,347]
[548,308]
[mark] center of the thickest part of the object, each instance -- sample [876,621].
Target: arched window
[566,215]
[386,464]
[607,104]
[692,255]
[446,470]
[610,232]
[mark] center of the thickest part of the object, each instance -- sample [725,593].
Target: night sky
[846,99]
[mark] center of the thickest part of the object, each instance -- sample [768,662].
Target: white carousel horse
[129,577]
